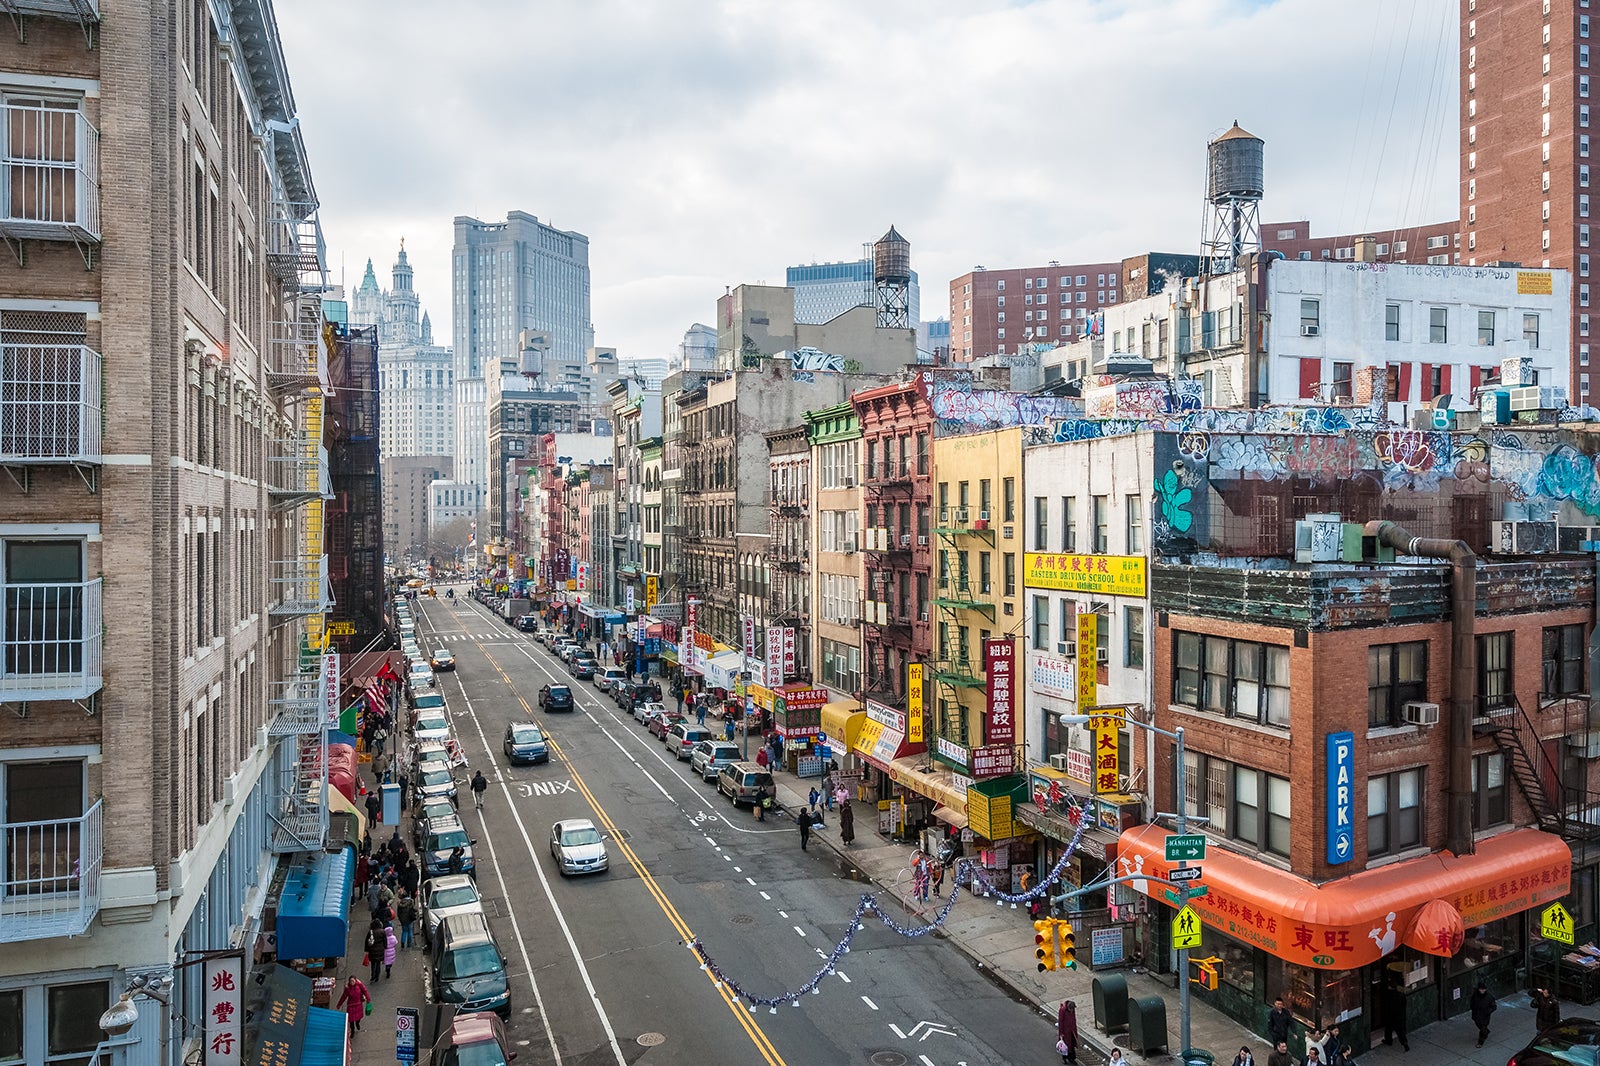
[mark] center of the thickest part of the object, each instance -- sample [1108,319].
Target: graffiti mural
[977,410]
[808,358]
[1174,499]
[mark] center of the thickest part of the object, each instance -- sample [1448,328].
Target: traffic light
[1044,939]
[1069,945]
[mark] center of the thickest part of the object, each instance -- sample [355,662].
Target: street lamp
[1181,785]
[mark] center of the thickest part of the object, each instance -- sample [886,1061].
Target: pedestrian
[480,785]
[760,805]
[813,796]
[828,790]
[1394,1010]
[1278,1022]
[374,808]
[1335,1051]
[457,861]
[1482,1007]
[680,701]
[727,728]
[937,874]
[761,757]
[1244,1058]
[1067,1031]
[391,947]
[396,846]
[1547,1009]
[406,915]
[1313,1056]
[700,715]
[842,797]
[1317,1044]
[401,780]
[847,824]
[374,946]
[804,821]
[354,1000]
[1116,1058]
[366,843]
[410,876]
[363,868]
[1280,1056]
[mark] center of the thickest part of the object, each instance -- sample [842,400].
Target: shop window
[1488,943]
[1491,802]
[1562,668]
[1494,670]
[1396,673]
[1394,812]
[72,1023]
[11,1026]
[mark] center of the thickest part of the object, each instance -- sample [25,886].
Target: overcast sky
[705,143]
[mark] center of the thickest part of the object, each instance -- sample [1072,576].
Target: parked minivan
[743,782]
[466,969]
[682,738]
[710,756]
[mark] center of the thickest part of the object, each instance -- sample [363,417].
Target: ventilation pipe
[1463,667]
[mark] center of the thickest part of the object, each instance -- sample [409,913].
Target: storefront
[1057,805]
[1434,926]
[879,743]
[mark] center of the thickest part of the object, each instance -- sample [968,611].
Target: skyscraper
[824,291]
[415,376]
[511,276]
[1525,148]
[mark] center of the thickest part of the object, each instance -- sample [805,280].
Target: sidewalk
[1000,939]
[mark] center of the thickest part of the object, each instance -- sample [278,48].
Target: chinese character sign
[1105,729]
[629,599]
[224,1006]
[691,615]
[330,690]
[652,585]
[788,651]
[749,636]
[1088,667]
[999,665]
[1111,575]
[583,577]
[774,656]
[914,732]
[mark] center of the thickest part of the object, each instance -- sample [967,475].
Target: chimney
[1367,249]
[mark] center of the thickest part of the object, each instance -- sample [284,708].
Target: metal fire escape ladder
[1505,722]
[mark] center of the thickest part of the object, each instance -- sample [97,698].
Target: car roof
[743,766]
[721,745]
[573,823]
[445,823]
[434,884]
[522,725]
[473,1028]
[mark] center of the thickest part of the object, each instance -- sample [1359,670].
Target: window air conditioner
[1102,655]
[1418,713]
[1069,648]
[922,540]
[1310,331]
[1058,762]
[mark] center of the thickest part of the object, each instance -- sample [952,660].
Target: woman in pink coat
[391,944]
[354,1000]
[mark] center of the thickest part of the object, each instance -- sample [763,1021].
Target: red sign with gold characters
[999,666]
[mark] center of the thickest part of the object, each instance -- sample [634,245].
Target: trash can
[1196,1057]
[1147,1024]
[1110,1002]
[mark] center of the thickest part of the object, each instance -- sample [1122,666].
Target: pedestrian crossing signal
[1068,946]
[1044,939]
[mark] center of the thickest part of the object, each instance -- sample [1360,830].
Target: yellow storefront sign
[651,586]
[989,816]
[342,629]
[914,732]
[1088,665]
[1535,283]
[1109,575]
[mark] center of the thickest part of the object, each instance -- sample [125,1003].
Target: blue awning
[312,911]
[616,618]
[325,1038]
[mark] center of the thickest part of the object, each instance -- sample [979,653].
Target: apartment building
[1432,244]
[834,435]
[1003,312]
[162,341]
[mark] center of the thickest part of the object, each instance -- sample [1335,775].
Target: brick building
[1000,312]
[1436,243]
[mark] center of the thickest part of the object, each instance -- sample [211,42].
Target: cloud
[701,144]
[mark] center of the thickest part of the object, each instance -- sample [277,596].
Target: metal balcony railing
[300,472]
[296,360]
[299,707]
[50,641]
[51,407]
[50,877]
[82,10]
[302,586]
[49,174]
[294,240]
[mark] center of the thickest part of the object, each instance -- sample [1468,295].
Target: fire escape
[887,608]
[1569,810]
[956,670]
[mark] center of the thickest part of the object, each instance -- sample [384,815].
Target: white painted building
[450,500]
[1310,328]
[1088,503]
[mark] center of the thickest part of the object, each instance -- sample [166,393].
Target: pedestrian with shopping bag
[356,1001]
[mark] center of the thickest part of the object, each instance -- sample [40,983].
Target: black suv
[555,698]
[637,692]
[527,622]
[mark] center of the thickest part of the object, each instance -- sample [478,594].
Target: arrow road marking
[927,1029]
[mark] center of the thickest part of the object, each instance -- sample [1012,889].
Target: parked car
[577,847]
[639,691]
[555,698]
[582,667]
[525,743]
[1573,1041]
[661,721]
[682,738]
[439,839]
[466,969]
[445,896]
[742,782]
[645,710]
[710,756]
[611,675]
[432,724]
[425,811]
[434,780]
[442,659]
[473,1040]
[566,649]
[544,635]
[527,623]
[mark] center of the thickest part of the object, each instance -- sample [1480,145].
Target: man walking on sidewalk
[804,820]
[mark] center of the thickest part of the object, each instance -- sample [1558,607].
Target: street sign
[1555,923]
[1188,873]
[1188,848]
[1194,892]
[405,1034]
[1186,929]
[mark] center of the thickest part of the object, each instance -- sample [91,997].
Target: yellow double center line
[752,1029]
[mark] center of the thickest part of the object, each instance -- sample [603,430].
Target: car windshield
[560,690]
[440,776]
[431,722]
[450,838]
[526,735]
[443,655]
[481,1053]
[453,897]
[473,961]
[441,809]
[586,835]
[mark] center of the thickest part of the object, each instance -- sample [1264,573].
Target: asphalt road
[599,967]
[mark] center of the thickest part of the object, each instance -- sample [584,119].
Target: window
[1396,673]
[1041,623]
[1563,660]
[1391,322]
[1530,329]
[44,607]
[1010,574]
[1135,525]
[1394,812]
[1341,380]
[1133,637]
[1101,521]
[52,794]
[1310,316]
[1009,489]
[1041,523]
[1490,801]
[1069,523]
[1260,810]
[1494,669]
[1237,678]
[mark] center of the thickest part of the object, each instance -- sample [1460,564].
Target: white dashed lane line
[869,1002]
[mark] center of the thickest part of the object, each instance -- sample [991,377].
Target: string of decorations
[968,874]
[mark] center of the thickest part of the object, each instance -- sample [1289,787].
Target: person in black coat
[1482,1007]
[1394,1009]
[1547,1009]
[1278,1021]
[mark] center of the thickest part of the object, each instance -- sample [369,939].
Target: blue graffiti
[1568,474]
[1174,500]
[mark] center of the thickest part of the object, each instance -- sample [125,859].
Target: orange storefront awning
[1358,919]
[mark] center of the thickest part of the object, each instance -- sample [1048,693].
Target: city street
[599,968]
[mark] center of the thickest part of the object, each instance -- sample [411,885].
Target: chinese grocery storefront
[880,741]
[1430,927]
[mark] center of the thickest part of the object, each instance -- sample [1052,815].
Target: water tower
[891,276]
[1235,174]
